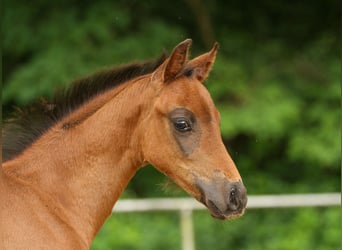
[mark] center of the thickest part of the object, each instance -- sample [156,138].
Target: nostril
[232,195]
[233,203]
[232,192]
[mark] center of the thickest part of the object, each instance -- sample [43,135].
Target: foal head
[182,137]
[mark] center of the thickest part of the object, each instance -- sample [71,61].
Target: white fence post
[187,230]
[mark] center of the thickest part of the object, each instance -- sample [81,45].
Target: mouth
[224,199]
[216,213]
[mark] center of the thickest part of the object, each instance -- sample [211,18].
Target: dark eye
[182,125]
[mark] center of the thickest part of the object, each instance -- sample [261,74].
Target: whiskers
[170,188]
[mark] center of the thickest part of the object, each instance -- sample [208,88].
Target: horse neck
[85,168]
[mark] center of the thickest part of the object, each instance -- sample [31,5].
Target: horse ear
[177,60]
[202,64]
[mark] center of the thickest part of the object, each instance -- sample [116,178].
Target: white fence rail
[254,201]
[186,205]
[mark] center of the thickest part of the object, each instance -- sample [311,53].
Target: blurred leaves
[276,83]
[72,42]
[305,228]
[153,231]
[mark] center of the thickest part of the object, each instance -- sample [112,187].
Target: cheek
[159,146]
[188,143]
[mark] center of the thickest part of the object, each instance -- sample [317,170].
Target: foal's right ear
[177,60]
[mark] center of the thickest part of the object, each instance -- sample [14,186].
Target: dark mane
[27,124]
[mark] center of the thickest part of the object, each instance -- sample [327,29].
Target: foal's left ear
[202,64]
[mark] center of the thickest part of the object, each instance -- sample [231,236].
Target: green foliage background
[275,82]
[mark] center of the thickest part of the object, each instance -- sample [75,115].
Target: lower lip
[226,217]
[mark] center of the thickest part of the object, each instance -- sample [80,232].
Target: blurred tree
[203,21]
[275,83]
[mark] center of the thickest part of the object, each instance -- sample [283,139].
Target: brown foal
[59,184]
